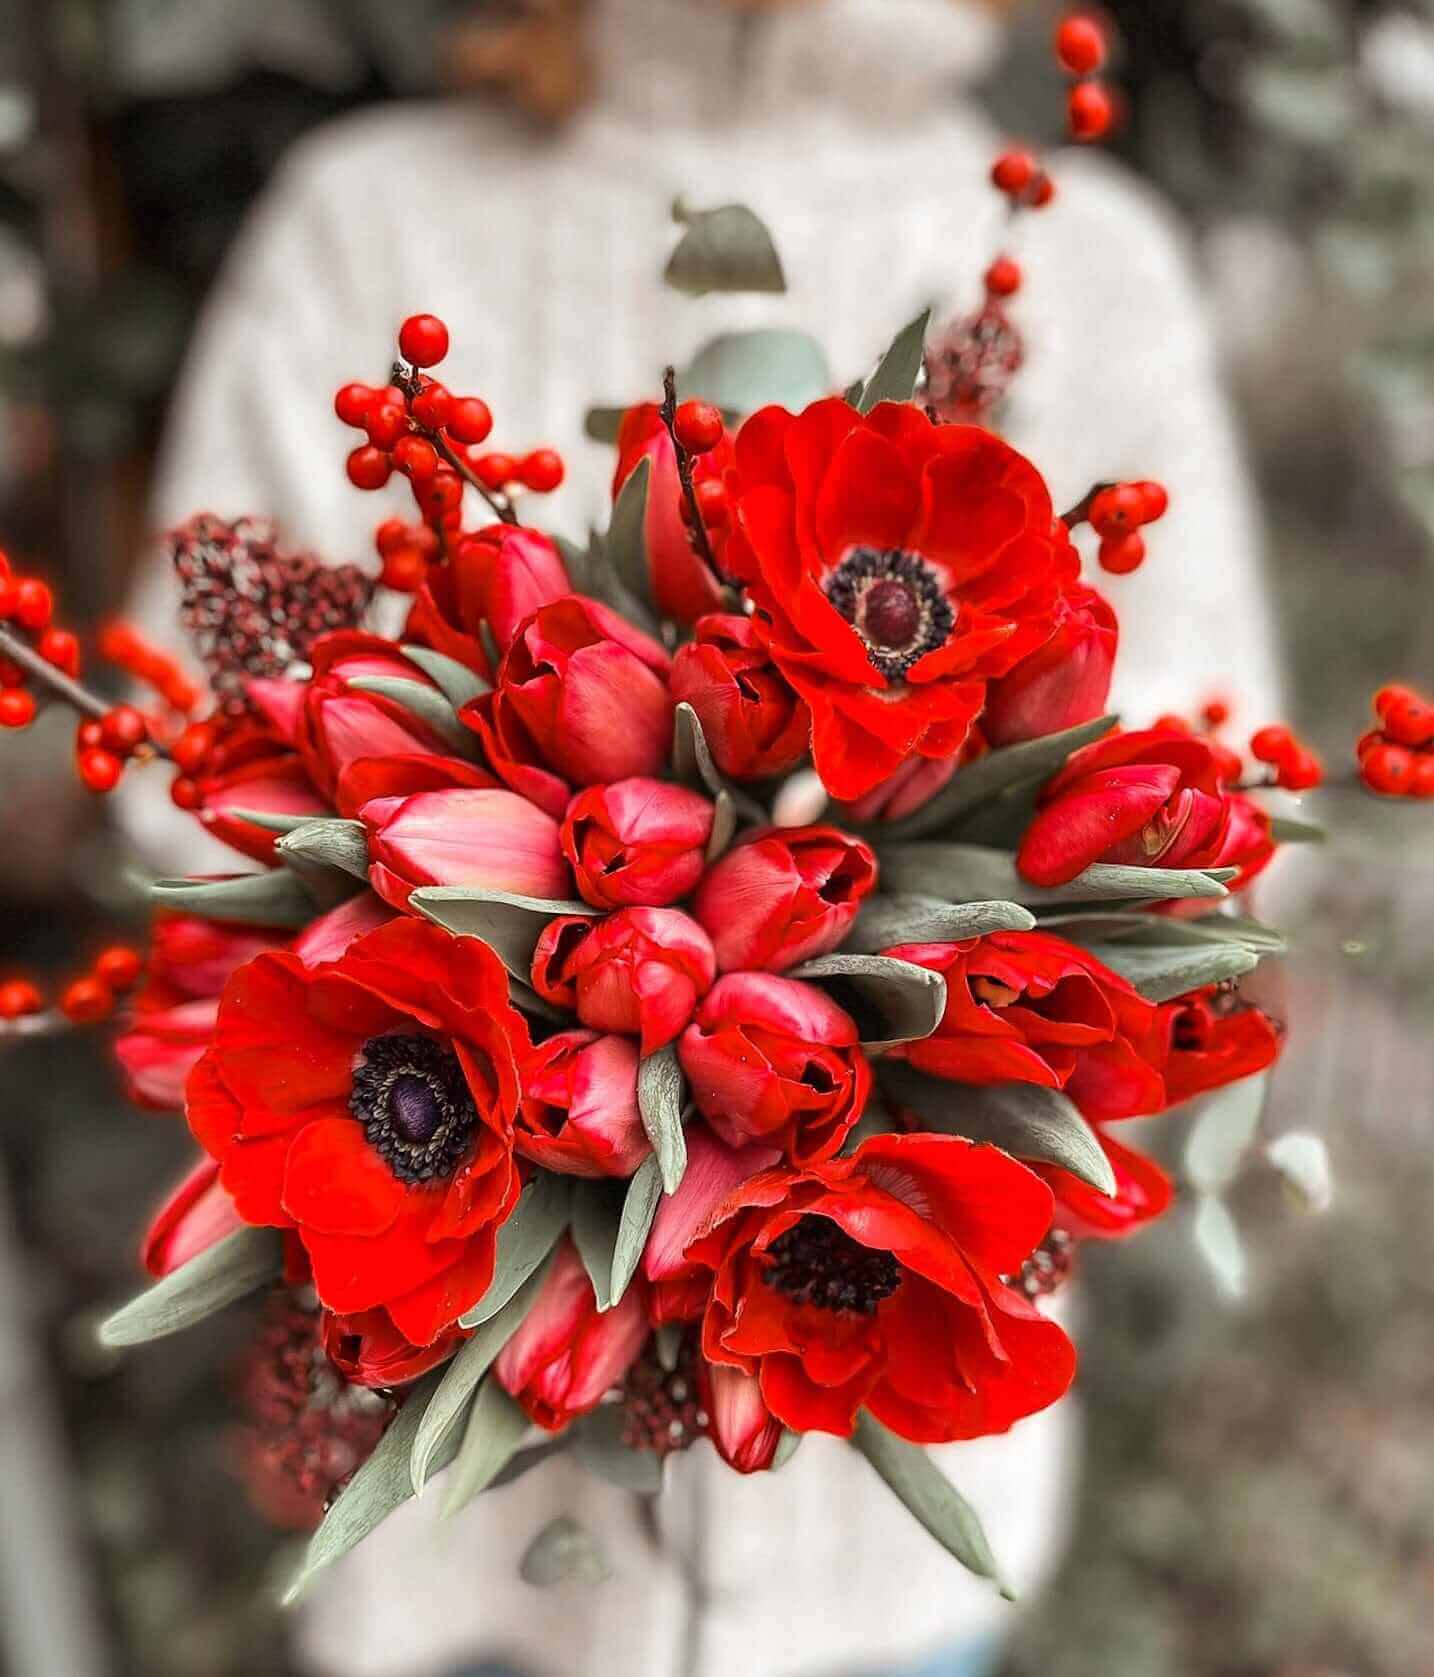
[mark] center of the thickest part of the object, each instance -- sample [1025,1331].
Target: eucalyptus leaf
[1023,1119]
[597,1445]
[668,1340]
[596,1219]
[1224,1132]
[661,1089]
[508,923]
[723,249]
[787,1446]
[742,371]
[532,1230]
[458,684]
[276,898]
[590,572]
[973,873]
[1218,1241]
[462,1374]
[892,1001]
[1159,931]
[381,1484]
[626,545]
[724,825]
[229,1270]
[1302,1159]
[1286,829]
[272,821]
[432,707]
[1161,974]
[328,843]
[495,1429]
[896,373]
[929,1496]
[525,1460]
[603,424]
[562,1550]
[886,921]
[638,1210]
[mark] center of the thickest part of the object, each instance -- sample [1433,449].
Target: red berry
[415,457]
[352,403]
[4,563]
[387,422]
[123,729]
[1154,498]
[99,769]
[17,708]
[1122,554]
[1389,770]
[431,406]
[712,499]
[34,603]
[495,470]
[119,967]
[85,1001]
[368,467]
[423,340]
[62,649]
[404,570]
[1367,742]
[439,495]
[18,996]
[184,793]
[1090,110]
[1410,721]
[191,750]
[1215,713]
[1042,193]
[469,420]
[1394,694]
[1273,744]
[1421,784]
[698,426]
[1300,771]
[88,735]
[11,675]
[1080,44]
[1118,509]
[391,535]
[541,471]
[1003,277]
[1012,172]
[9,596]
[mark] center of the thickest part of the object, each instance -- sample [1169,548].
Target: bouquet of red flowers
[702,985]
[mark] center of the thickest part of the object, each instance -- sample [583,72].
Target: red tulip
[1061,684]
[251,764]
[637,843]
[198,1214]
[160,1049]
[579,1114]
[755,724]
[915,783]
[326,938]
[499,576]
[774,1060]
[1213,1038]
[488,837]
[744,1430]
[367,778]
[784,896]
[567,1355]
[368,1350]
[640,972]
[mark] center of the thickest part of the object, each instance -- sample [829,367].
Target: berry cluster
[1396,759]
[1081,51]
[27,607]
[1297,768]
[1117,514]
[84,1000]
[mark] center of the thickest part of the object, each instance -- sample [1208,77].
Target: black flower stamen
[817,1263]
[411,1097]
[895,602]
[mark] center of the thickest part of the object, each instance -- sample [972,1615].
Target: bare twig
[1081,510]
[62,686]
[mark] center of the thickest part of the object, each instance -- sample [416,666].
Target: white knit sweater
[839,123]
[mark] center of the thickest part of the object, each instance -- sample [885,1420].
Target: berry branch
[61,685]
[695,523]
[408,381]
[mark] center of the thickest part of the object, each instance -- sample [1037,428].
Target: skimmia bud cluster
[1396,758]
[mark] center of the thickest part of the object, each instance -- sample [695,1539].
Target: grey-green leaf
[598,1446]
[1023,1119]
[1286,829]
[531,1232]
[495,1429]
[232,1269]
[458,684]
[596,1219]
[1151,931]
[462,1374]
[896,373]
[275,898]
[1161,974]
[626,545]
[723,249]
[694,765]
[428,704]
[661,1090]
[562,1550]
[270,821]
[508,923]
[886,921]
[638,1210]
[328,843]
[972,873]
[1217,1238]
[892,1001]
[743,371]
[929,1496]
[1224,1133]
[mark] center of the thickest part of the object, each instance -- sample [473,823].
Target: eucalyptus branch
[668,413]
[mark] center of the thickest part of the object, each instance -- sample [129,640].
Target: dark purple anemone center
[817,1263]
[411,1097]
[894,600]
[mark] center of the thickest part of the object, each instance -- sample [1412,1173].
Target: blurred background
[1258,1494]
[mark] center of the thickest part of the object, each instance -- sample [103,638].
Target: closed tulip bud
[744,1430]
[588,691]
[1062,683]
[326,938]
[775,1060]
[915,783]
[488,837]
[579,1115]
[640,972]
[783,897]
[756,724]
[368,1350]
[637,843]
[568,1355]
[197,1215]
[160,1049]
[340,723]
[498,577]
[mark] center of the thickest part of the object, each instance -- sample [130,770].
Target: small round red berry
[191,750]
[541,471]
[712,499]
[431,406]
[1395,693]
[34,603]
[1013,171]
[184,793]
[1003,277]
[439,494]
[89,735]
[495,470]
[1154,498]
[1300,771]
[1389,770]
[1117,509]
[119,967]
[1215,713]
[352,403]
[5,567]
[391,535]
[100,770]
[11,675]
[415,457]
[470,421]
[1273,744]
[17,708]
[1421,782]
[9,596]
[18,998]
[1042,193]
[1367,742]
[368,467]
[404,570]
[1080,44]
[85,1001]
[1120,555]
[123,729]
[1090,111]
[1410,721]
[62,649]
[698,426]
[423,340]
[386,423]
